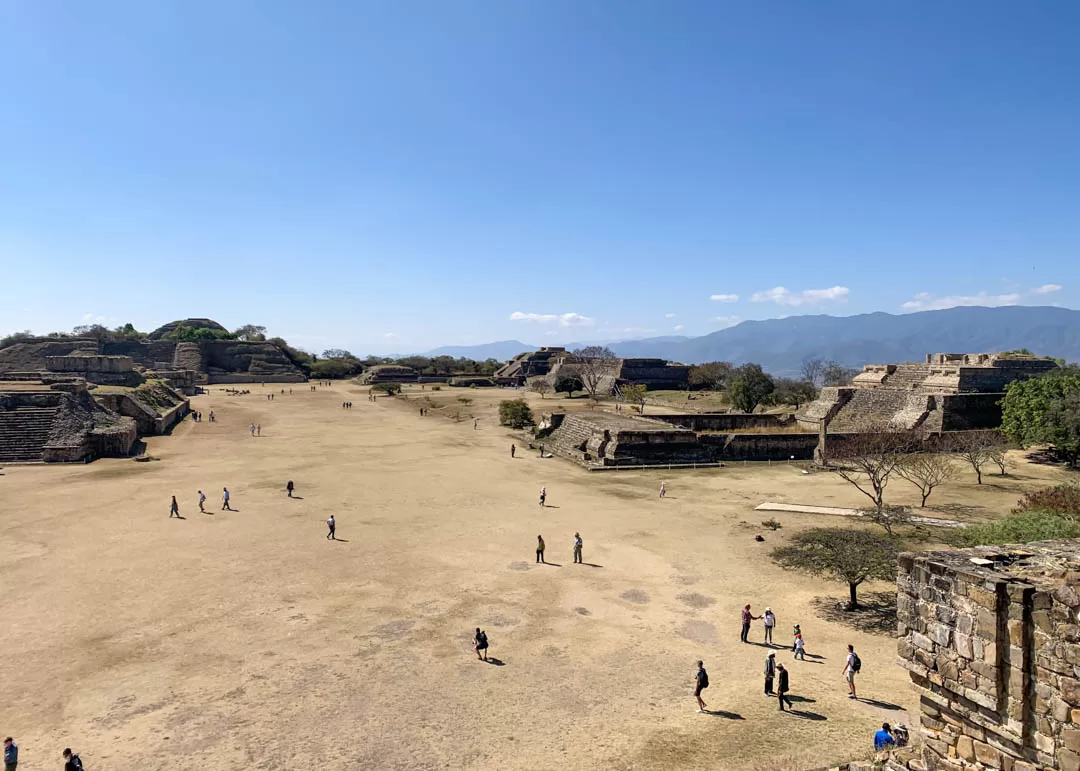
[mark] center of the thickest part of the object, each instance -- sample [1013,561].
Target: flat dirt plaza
[246,640]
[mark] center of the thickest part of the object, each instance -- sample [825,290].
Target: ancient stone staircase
[907,377]
[568,439]
[24,432]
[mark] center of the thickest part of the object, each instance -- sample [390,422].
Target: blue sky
[391,176]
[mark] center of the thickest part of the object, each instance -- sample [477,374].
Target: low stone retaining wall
[215,378]
[760,447]
[726,421]
[164,422]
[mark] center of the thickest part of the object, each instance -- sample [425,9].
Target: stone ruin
[947,392]
[209,361]
[387,373]
[598,440]
[549,363]
[59,422]
[991,639]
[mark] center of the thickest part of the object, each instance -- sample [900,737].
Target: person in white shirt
[578,544]
[332,524]
[770,622]
[851,666]
[202,500]
[225,499]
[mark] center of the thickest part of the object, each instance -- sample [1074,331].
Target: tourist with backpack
[701,682]
[852,666]
[480,643]
[72,762]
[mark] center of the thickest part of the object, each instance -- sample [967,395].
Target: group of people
[196,417]
[346,405]
[256,429]
[72,762]
[541,546]
[174,507]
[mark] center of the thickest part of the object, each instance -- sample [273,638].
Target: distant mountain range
[780,345]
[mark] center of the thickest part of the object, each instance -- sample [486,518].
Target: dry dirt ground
[247,640]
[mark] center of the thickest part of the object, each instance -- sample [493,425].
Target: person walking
[578,544]
[796,631]
[474,422]
[539,548]
[289,487]
[480,644]
[225,495]
[513,449]
[663,490]
[253,429]
[332,524]
[11,754]
[800,650]
[72,762]
[543,496]
[258,429]
[770,672]
[174,509]
[852,666]
[701,682]
[782,686]
[770,621]
[747,617]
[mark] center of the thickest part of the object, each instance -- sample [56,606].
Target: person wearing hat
[782,687]
[770,622]
[770,672]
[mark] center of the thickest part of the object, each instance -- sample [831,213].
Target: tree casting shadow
[876,613]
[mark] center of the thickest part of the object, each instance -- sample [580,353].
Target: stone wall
[991,638]
[727,421]
[760,447]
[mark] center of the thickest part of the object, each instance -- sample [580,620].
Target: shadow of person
[724,714]
[300,498]
[494,661]
[803,699]
[881,704]
[553,564]
[591,564]
[805,715]
[340,540]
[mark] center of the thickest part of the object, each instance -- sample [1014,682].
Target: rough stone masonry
[991,638]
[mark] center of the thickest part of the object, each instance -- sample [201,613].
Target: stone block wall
[760,447]
[991,638]
[726,421]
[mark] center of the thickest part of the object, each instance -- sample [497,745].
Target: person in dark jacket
[782,686]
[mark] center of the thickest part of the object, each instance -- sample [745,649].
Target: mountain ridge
[780,345]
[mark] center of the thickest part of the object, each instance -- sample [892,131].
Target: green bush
[772,524]
[1018,528]
[387,388]
[436,388]
[1063,500]
[515,413]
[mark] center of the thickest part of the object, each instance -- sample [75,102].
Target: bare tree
[868,459]
[542,386]
[976,448]
[1000,459]
[926,471]
[835,374]
[889,517]
[812,369]
[593,365]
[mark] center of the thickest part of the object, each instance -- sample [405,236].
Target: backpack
[76,762]
[704,679]
[856,662]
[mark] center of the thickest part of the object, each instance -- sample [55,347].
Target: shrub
[1063,500]
[772,524]
[466,400]
[387,388]
[515,413]
[1018,528]
[436,388]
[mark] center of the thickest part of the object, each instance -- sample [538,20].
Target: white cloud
[679,327]
[724,298]
[783,296]
[725,321]
[562,319]
[924,301]
[390,336]
[669,315]
[1046,289]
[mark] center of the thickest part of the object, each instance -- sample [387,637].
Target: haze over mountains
[780,345]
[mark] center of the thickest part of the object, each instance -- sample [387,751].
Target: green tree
[711,376]
[16,337]
[337,353]
[634,394]
[97,332]
[250,332]
[747,386]
[851,556]
[127,332]
[567,384]
[515,413]
[387,388]
[330,368]
[1037,411]
[793,392]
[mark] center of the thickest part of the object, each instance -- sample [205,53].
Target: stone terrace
[991,638]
